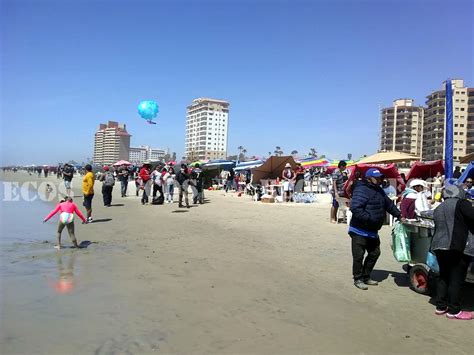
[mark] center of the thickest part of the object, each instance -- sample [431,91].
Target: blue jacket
[368,206]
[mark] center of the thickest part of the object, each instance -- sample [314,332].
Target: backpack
[158,200]
[109,180]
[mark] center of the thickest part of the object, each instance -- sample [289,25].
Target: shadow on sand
[179,211]
[101,220]
[400,278]
[117,205]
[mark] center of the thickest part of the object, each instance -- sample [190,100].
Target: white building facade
[207,123]
[143,153]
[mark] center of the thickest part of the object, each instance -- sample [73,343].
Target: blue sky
[298,74]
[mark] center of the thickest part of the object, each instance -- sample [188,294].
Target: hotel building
[111,143]
[207,122]
[402,127]
[435,122]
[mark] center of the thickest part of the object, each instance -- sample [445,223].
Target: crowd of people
[369,196]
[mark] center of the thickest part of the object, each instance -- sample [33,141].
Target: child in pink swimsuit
[67,208]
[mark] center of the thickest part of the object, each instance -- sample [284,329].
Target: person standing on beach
[369,205]
[68,172]
[66,208]
[123,174]
[196,177]
[157,178]
[146,181]
[168,179]
[108,182]
[288,178]
[340,176]
[88,191]
[182,178]
[453,246]
[299,178]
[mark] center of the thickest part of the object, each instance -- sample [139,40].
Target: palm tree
[269,154]
[278,151]
[313,153]
[294,152]
[244,151]
[240,148]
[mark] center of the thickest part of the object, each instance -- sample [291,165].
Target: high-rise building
[111,144]
[402,127]
[435,122]
[207,122]
[143,153]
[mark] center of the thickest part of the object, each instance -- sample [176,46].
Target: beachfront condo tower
[207,122]
[435,120]
[402,127]
[111,143]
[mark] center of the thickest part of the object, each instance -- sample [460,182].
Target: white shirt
[156,177]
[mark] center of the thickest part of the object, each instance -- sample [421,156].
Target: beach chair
[343,208]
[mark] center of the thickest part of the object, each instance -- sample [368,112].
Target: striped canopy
[249,164]
[313,162]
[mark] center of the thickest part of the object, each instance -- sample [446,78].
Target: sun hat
[373,172]
[418,182]
[287,165]
[106,168]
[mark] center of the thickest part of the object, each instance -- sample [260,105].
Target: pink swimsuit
[69,207]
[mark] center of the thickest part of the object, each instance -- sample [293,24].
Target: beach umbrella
[122,162]
[219,163]
[467,159]
[248,165]
[200,162]
[312,162]
[388,157]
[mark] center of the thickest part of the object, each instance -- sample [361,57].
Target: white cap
[418,182]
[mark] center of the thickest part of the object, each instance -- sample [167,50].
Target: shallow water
[66,301]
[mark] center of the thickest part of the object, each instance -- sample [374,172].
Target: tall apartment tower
[402,127]
[207,122]
[111,144]
[435,122]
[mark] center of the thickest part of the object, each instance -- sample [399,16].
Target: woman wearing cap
[454,248]
[288,178]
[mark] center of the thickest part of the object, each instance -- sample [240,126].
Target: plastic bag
[432,262]
[400,243]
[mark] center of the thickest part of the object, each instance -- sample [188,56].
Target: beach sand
[230,276]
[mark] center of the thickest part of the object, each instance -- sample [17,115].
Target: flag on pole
[448,147]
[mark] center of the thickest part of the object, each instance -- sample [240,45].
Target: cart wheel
[419,279]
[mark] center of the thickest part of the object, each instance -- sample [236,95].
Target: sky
[297,74]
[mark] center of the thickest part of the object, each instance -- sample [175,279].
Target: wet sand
[230,276]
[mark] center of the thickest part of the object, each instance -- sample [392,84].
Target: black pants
[157,188]
[198,196]
[107,194]
[361,269]
[453,267]
[123,186]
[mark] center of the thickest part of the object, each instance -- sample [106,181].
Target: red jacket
[144,174]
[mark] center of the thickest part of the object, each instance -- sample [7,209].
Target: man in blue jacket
[368,206]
